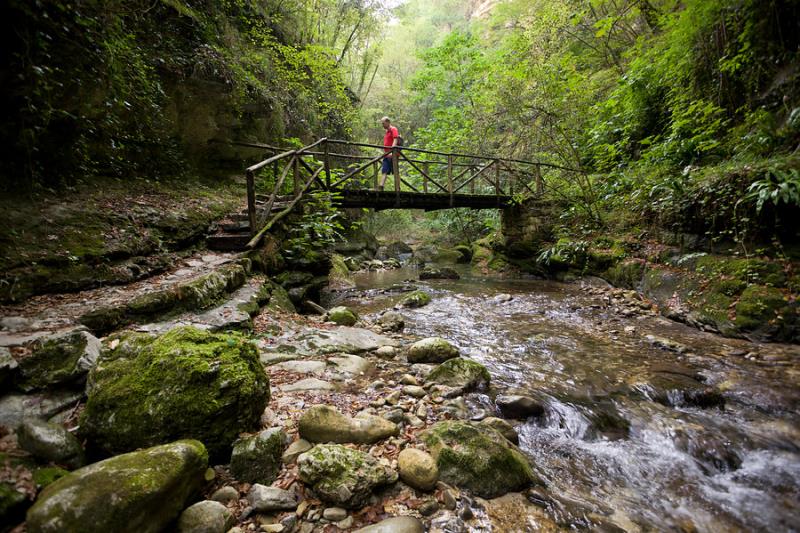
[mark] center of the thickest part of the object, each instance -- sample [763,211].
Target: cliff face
[132,88]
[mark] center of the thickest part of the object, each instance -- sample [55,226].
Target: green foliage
[318,228]
[776,187]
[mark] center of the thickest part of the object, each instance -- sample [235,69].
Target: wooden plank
[450,177]
[275,190]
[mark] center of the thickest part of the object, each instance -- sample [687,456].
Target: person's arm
[395,135]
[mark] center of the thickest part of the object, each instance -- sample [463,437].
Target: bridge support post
[251,201]
[327,163]
[296,173]
[375,175]
[396,169]
[425,168]
[450,178]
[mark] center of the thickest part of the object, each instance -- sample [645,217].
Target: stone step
[228,242]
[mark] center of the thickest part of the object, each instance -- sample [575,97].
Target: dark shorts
[387,166]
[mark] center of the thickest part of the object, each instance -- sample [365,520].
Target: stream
[608,455]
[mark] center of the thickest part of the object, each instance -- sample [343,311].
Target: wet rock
[477,458]
[502,427]
[60,358]
[521,407]
[308,384]
[713,453]
[343,476]
[460,373]
[343,316]
[666,344]
[502,298]
[265,499]
[398,249]
[398,524]
[418,469]
[415,299]
[225,495]
[295,449]
[186,383]
[678,386]
[391,321]
[257,459]
[14,408]
[50,442]
[136,492]
[431,350]
[322,423]
[438,273]
[205,517]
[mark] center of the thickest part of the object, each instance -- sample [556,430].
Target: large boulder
[478,459]
[137,492]
[59,358]
[322,423]
[461,373]
[50,442]
[186,383]
[415,299]
[257,459]
[431,350]
[343,476]
[677,386]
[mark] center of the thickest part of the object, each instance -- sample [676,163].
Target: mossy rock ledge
[138,492]
[478,459]
[415,299]
[186,383]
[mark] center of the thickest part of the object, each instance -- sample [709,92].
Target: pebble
[414,391]
[386,351]
[263,498]
[380,402]
[294,450]
[449,499]
[413,421]
[334,514]
[393,398]
[408,379]
[273,528]
[428,507]
[347,523]
[422,411]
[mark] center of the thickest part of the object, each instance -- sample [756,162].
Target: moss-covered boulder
[50,442]
[343,476]
[279,300]
[60,358]
[462,373]
[415,299]
[136,492]
[186,383]
[257,458]
[322,423]
[478,459]
[431,350]
[343,316]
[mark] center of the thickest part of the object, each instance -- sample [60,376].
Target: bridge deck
[380,200]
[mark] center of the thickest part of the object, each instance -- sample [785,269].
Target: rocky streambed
[446,405]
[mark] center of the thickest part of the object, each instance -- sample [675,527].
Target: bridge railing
[337,165]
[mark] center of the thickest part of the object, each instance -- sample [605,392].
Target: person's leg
[386,169]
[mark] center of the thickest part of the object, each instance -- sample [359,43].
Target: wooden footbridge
[420,179]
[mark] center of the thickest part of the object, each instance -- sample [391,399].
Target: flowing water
[609,456]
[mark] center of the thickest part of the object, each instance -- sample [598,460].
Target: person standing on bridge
[390,140]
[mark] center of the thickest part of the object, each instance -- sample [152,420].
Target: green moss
[343,316]
[140,491]
[747,270]
[627,274]
[478,459]
[415,299]
[460,372]
[279,300]
[448,255]
[12,505]
[187,383]
[45,476]
[759,306]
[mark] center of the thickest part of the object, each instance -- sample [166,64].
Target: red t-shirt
[388,139]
